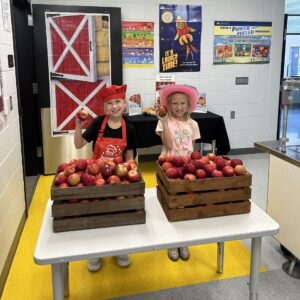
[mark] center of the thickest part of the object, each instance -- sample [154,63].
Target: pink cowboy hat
[180,88]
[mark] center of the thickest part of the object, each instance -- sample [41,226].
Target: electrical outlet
[232,114]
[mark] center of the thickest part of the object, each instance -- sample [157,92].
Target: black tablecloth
[212,127]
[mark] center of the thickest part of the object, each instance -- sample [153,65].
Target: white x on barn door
[71,46]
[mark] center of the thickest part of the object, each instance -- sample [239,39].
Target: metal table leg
[66,280]
[220,257]
[254,271]
[213,146]
[58,281]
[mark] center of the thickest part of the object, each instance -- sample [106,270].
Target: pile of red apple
[87,172]
[197,166]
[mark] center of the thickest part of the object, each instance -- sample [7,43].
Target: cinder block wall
[256,104]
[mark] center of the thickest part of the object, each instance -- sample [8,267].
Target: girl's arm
[166,136]
[79,141]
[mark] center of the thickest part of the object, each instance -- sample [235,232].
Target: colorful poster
[242,42]
[137,44]
[179,38]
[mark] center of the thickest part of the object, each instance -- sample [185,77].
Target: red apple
[167,165]
[84,201]
[172,173]
[113,179]
[228,171]
[100,181]
[73,161]
[204,160]
[121,170]
[125,181]
[239,170]
[197,164]
[73,179]
[189,168]
[220,163]
[209,168]
[80,164]
[93,168]
[170,158]
[118,160]
[162,110]
[112,164]
[195,155]
[60,178]
[98,176]
[73,200]
[88,179]
[63,185]
[216,173]
[186,159]
[82,114]
[189,176]
[178,161]
[80,184]
[180,172]
[235,161]
[107,170]
[133,176]
[162,158]
[61,167]
[211,156]
[200,173]
[69,170]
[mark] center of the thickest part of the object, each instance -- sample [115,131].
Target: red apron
[107,147]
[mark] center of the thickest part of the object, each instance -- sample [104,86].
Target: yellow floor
[149,271]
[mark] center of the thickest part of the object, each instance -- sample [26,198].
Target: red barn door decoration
[71,47]
[74,44]
[72,96]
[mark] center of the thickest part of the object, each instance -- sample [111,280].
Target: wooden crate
[107,212]
[203,198]
[108,190]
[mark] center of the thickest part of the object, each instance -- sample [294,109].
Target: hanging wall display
[78,48]
[179,38]
[137,44]
[242,42]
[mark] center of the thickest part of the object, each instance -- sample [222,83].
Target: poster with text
[242,42]
[179,38]
[137,44]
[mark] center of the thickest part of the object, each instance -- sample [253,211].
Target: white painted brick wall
[12,198]
[252,102]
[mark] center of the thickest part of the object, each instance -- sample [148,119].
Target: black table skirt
[212,127]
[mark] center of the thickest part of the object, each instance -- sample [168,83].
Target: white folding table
[58,249]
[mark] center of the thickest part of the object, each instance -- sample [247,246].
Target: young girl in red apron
[112,137]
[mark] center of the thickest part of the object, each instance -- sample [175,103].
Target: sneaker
[184,253]
[173,254]
[123,260]
[94,264]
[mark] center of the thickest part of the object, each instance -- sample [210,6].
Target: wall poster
[242,42]
[78,48]
[137,44]
[179,38]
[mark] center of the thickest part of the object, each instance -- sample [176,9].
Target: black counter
[274,147]
[212,127]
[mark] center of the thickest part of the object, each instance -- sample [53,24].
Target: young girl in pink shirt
[178,132]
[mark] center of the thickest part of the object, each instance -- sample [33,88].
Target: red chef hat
[113,92]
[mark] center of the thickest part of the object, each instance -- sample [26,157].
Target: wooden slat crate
[107,212]
[206,184]
[203,198]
